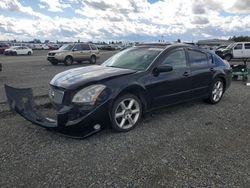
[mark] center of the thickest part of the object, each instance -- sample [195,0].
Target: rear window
[197,58]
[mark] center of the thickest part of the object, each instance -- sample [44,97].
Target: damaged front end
[84,123]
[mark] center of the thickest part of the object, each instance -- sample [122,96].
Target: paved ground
[188,145]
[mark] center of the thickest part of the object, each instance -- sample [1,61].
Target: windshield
[66,47]
[230,46]
[133,58]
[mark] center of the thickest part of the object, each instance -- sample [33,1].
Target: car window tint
[210,58]
[85,47]
[93,47]
[197,58]
[247,46]
[177,59]
[238,47]
[78,47]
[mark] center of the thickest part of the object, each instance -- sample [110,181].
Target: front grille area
[51,54]
[56,95]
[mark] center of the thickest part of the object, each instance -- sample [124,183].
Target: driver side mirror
[162,68]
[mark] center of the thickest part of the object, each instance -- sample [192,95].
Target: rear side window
[210,58]
[247,46]
[85,47]
[197,58]
[93,47]
[238,47]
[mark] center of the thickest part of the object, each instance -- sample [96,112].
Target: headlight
[88,95]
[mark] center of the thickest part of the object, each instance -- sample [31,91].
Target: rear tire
[93,59]
[126,113]
[68,60]
[216,91]
[14,53]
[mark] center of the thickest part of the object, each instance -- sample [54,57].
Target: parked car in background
[108,47]
[45,47]
[53,46]
[238,50]
[78,52]
[127,85]
[18,50]
[3,47]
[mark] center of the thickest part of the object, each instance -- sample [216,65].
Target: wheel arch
[223,78]
[138,91]
[68,56]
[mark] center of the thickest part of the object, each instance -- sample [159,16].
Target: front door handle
[186,74]
[212,69]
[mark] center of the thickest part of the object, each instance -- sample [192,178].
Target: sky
[123,20]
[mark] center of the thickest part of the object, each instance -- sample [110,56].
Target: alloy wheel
[217,91]
[127,113]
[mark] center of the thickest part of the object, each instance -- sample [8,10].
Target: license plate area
[56,96]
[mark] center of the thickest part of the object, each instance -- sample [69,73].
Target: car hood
[10,49]
[74,78]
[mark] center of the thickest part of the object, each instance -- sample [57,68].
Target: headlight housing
[88,95]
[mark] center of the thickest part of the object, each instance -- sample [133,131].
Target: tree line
[240,38]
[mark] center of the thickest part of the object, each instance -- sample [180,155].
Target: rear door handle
[186,74]
[212,69]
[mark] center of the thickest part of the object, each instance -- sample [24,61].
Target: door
[170,87]
[202,69]
[20,51]
[77,52]
[246,51]
[86,51]
[238,51]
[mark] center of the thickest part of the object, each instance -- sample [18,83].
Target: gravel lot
[189,145]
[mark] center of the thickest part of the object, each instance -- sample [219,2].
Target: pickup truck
[238,50]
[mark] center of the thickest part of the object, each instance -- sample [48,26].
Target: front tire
[216,91]
[29,53]
[126,113]
[68,60]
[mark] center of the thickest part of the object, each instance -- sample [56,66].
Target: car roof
[172,46]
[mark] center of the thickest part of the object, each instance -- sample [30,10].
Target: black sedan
[126,86]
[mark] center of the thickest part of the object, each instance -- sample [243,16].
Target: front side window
[78,47]
[177,59]
[197,58]
[238,47]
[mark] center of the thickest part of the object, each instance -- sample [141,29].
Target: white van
[238,50]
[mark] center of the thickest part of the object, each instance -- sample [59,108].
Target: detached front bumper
[81,126]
